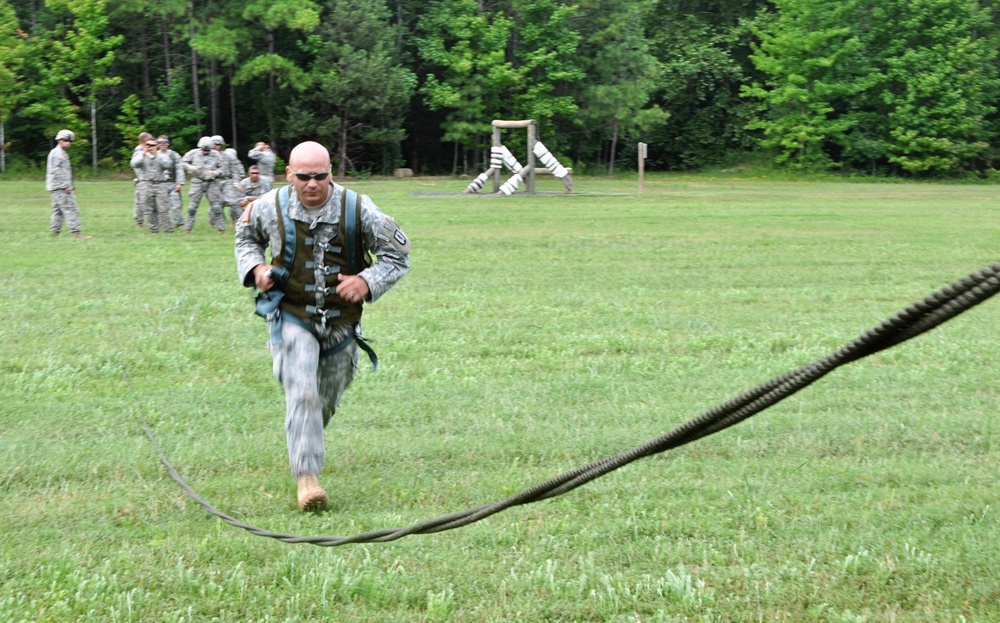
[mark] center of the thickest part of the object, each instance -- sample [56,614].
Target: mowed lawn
[532,335]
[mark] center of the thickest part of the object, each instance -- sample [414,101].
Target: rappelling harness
[287,299]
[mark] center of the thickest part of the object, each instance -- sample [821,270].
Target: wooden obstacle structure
[501,157]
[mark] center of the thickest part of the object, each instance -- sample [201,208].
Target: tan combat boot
[312,497]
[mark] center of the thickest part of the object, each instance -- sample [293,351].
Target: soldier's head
[254,172]
[65,138]
[218,142]
[205,144]
[308,171]
[263,146]
[163,142]
[143,137]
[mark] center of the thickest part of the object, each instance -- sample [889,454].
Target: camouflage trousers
[155,205]
[313,385]
[176,206]
[137,213]
[232,199]
[64,208]
[214,193]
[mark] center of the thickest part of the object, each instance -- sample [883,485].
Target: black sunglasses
[319,177]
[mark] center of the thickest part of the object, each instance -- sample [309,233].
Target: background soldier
[59,183]
[136,204]
[175,175]
[231,196]
[252,187]
[151,168]
[265,158]
[204,166]
[224,180]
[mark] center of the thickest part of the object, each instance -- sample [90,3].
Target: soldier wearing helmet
[204,165]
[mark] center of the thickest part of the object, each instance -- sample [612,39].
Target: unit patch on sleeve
[392,233]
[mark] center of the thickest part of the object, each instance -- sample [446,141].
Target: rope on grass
[916,319]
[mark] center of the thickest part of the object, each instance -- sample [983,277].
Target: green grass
[532,335]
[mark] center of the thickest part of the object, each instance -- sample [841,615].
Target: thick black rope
[909,323]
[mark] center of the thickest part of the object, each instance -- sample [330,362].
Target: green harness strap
[268,302]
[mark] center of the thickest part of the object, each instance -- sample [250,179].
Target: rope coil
[915,320]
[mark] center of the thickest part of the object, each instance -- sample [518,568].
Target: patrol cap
[65,135]
[218,140]
[231,152]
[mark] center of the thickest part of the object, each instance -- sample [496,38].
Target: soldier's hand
[262,277]
[352,288]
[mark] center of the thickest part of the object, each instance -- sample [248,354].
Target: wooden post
[642,166]
[532,138]
[496,143]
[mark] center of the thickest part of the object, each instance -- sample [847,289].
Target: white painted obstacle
[501,157]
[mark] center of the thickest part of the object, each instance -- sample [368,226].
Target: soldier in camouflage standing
[224,181]
[151,167]
[136,203]
[232,194]
[265,158]
[59,183]
[176,176]
[252,187]
[314,299]
[203,166]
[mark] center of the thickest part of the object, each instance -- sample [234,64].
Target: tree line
[894,87]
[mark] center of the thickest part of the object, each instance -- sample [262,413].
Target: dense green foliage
[898,87]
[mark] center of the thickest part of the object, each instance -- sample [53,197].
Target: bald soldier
[313,294]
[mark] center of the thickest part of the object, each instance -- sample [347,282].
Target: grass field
[532,335]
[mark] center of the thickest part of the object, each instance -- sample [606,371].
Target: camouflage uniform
[175,175]
[247,188]
[137,211]
[231,196]
[59,183]
[205,167]
[265,162]
[314,383]
[151,170]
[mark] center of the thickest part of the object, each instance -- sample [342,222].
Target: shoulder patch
[392,233]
